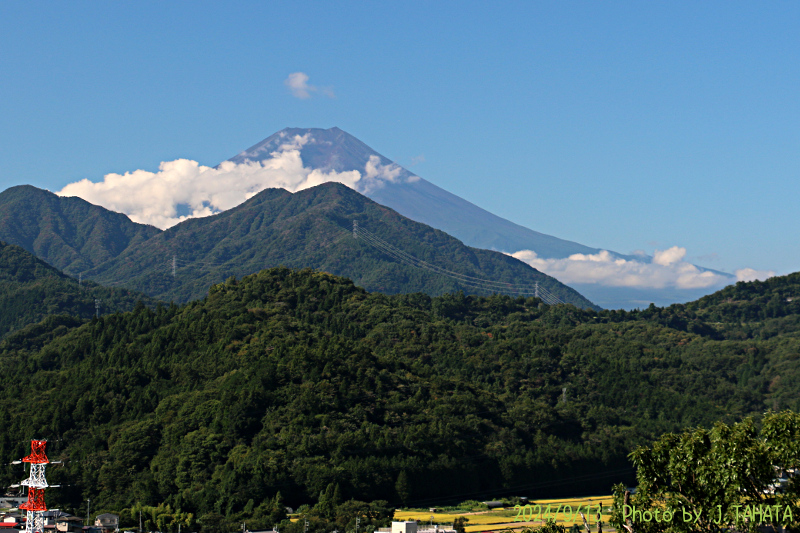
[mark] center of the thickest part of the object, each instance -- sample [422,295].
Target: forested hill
[31,290]
[746,310]
[69,233]
[292,380]
[306,229]
[312,228]
[758,300]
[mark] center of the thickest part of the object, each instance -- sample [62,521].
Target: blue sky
[620,125]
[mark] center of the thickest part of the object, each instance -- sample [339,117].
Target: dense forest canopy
[300,382]
[31,290]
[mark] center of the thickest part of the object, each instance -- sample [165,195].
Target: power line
[488,285]
[463,278]
[471,281]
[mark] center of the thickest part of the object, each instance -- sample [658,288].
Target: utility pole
[174,261]
[88,513]
[140,521]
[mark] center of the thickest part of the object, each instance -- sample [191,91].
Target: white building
[413,527]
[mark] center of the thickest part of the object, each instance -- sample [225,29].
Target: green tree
[551,527]
[717,477]
[403,487]
[460,524]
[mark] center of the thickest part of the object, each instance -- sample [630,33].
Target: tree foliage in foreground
[717,479]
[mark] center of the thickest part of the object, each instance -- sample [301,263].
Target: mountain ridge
[311,228]
[69,233]
[78,237]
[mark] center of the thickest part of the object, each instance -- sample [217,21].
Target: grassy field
[563,510]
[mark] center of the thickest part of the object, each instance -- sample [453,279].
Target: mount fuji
[408,194]
[333,152]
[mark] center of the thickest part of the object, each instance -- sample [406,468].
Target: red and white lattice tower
[36,484]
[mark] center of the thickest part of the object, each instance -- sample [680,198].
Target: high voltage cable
[478,282]
[471,281]
[365,233]
[389,250]
[488,285]
[544,295]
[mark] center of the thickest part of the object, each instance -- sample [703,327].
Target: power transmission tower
[80,280]
[174,262]
[97,308]
[355,229]
[36,484]
[536,294]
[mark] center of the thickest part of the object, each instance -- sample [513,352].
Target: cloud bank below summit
[666,269]
[184,189]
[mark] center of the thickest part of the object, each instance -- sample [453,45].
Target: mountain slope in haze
[67,232]
[420,200]
[312,228]
[31,290]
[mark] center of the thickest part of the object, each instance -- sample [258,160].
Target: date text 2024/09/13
[547,513]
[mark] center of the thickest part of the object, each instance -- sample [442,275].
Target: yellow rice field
[503,519]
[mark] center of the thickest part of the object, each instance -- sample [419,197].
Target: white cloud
[750,274]
[297,82]
[668,269]
[296,143]
[377,174]
[669,256]
[182,185]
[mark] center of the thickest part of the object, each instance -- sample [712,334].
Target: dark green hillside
[311,228]
[307,229]
[754,301]
[294,380]
[757,309]
[30,290]
[69,233]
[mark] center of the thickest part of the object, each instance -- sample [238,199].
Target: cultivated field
[563,510]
